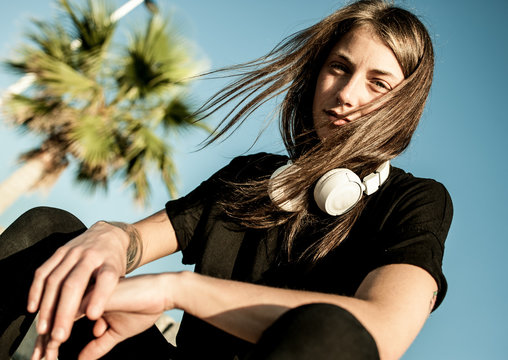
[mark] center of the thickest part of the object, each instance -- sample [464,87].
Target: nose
[349,92]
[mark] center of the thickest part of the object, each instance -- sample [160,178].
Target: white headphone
[336,192]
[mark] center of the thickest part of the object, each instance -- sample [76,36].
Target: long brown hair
[292,68]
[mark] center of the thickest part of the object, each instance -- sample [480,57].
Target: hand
[134,306]
[98,257]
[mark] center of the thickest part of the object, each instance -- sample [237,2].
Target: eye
[381,85]
[337,66]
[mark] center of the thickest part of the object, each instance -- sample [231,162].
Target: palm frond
[177,116]
[60,79]
[92,26]
[91,31]
[52,39]
[168,171]
[92,177]
[146,152]
[34,113]
[146,142]
[157,61]
[82,45]
[92,142]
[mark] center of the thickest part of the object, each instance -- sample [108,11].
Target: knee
[52,219]
[324,329]
[35,225]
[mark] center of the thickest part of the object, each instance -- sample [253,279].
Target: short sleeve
[188,214]
[416,229]
[185,214]
[192,214]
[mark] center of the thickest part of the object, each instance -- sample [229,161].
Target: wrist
[177,285]
[134,252]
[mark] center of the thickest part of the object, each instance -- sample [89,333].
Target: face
[359,69]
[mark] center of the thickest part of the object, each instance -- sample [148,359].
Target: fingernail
[31,306]
[94,312]
[58,334]
[43,326]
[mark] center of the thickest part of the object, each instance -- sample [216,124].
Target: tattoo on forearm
[135,248]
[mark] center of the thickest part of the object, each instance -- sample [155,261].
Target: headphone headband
[373,181]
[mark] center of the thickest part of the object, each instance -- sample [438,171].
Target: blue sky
[461,142]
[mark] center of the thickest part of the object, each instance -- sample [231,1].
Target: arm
[392,303]
[98,255]
[157,237]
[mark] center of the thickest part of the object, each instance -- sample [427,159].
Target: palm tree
[108,113]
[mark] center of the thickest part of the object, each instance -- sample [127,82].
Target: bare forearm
[391,303]
[158,237]
[246,310]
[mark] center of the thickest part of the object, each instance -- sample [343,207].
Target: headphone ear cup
[276,190]
[338,191]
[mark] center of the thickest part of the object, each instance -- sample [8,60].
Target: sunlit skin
[359,69]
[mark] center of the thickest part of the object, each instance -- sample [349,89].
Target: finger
[100,327]
[45,349]
[51,350]
[39,348]
[37,287]
[84,303]
[106,280]
[52,289]
[99,347]
[71,294]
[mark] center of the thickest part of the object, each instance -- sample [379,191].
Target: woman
[284,268]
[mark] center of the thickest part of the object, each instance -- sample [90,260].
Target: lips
[336,118]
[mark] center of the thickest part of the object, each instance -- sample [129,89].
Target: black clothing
[405,221]
[25,245]
[315,331]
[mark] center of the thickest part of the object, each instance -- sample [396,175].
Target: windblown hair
[292,67]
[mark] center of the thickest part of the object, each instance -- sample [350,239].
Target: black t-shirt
[405,221]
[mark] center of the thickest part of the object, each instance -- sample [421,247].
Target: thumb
[99,347]
[100,327]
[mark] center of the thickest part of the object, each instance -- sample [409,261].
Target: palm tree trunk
[23,180]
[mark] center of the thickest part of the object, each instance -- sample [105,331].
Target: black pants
[316,331]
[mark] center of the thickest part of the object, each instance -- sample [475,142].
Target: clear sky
[461,140]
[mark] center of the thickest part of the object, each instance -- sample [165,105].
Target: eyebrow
[375,71]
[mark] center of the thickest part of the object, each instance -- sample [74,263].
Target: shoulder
[411,203]
[408,191]
[246,167]
[403,182]
[240,169]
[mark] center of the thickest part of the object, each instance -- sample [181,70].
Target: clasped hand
[82,279]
